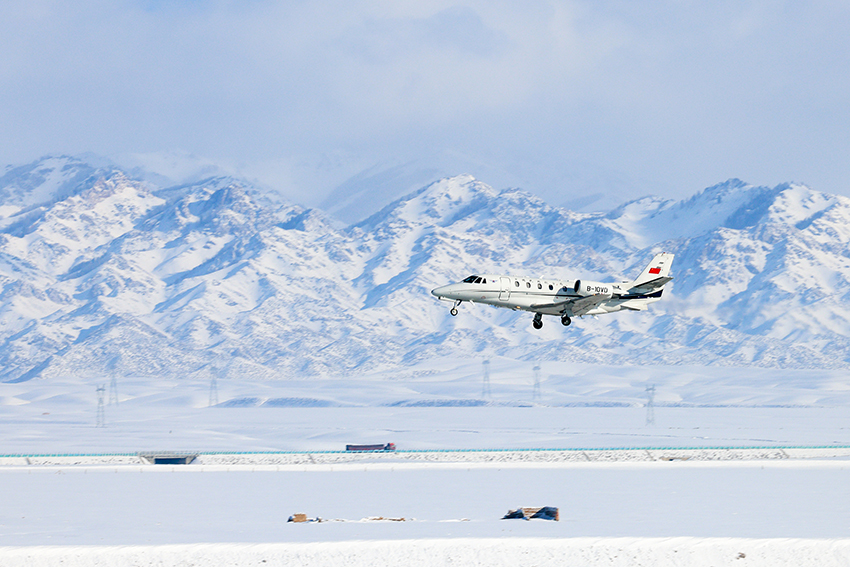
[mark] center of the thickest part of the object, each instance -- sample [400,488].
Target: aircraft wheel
[565,321]
[453,312]
[537,324]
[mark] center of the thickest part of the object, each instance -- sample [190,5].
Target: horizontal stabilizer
[651,285]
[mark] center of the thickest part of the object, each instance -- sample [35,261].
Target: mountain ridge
[98,270]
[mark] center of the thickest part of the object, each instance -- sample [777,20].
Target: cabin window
[550,287]
[527,284]
[516,283]
[470,279]
[539,286]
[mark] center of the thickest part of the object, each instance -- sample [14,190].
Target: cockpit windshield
[470,279]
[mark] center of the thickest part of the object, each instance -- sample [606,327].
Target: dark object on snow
[301,518]
[168,458]
[544,513]
[387,447]
[517,514]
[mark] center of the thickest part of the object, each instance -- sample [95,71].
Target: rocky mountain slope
[102,272]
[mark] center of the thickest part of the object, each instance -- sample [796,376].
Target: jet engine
[585,288]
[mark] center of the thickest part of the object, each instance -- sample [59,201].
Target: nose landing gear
[537,322]
[454,309]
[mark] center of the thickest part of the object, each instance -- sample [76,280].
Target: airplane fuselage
[566,299]
[542,295]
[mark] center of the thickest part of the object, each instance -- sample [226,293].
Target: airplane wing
[585,304]
[651,285]
[578,306]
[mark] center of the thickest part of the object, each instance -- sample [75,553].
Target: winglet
[657,273]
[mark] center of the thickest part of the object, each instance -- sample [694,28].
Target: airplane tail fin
[656,274]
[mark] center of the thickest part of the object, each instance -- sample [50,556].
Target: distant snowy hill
[373,188]
[99,270]
[582,187]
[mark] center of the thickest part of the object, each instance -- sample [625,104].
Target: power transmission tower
[214,388]
[535,395]
[485,387]
[113,389]
[101,414]
[650,405]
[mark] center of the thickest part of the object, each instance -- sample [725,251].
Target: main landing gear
[537,322]
[454,309]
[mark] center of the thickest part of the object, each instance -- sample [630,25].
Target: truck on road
[387,447]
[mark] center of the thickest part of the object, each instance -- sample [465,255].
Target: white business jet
[559,298]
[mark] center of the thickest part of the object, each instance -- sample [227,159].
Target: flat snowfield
[392,510]
[614,552]
[579,406]
[789,512]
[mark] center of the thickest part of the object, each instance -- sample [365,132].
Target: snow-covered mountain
[586,189]
[101,271]
[367,191]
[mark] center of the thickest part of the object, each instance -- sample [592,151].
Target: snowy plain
[440,405]
[774,512]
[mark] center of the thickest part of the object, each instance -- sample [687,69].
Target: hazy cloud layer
[656,96]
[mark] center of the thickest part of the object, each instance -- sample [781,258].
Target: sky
[563,97]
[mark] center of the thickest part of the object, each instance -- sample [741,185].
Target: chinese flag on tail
[655,270]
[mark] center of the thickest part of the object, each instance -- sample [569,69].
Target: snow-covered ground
[614,552]
[774,512]
[437,406]
[155,505]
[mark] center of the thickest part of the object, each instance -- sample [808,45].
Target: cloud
[673,95]
[457,31]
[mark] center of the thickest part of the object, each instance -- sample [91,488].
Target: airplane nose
[441,291]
